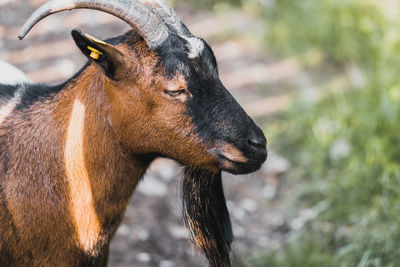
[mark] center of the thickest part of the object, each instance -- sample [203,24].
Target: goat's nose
[257,142]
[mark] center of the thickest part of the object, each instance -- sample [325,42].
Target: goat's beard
[206,215]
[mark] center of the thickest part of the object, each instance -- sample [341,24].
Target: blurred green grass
[344,149]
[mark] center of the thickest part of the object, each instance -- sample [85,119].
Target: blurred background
[320,77]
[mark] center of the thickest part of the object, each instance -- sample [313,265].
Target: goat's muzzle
[253,150]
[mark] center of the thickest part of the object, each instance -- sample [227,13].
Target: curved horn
[168,15]
[136,14]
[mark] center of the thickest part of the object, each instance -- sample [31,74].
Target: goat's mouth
[225,163]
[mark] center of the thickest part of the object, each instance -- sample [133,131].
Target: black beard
[206,215]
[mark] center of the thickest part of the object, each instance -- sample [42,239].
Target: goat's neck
[112,168]
[96,164]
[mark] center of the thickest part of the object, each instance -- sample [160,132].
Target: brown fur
[145,107]
[70,162]
[53,161]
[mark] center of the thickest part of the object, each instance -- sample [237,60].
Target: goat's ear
[105,55]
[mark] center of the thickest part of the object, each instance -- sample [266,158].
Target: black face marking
[173,56]
[220,120]
[217,116]
[209,61]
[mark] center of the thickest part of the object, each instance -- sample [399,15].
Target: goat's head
[165,98]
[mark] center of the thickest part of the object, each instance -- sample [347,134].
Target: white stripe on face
[196,47]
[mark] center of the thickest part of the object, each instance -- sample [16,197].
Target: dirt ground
[152,233]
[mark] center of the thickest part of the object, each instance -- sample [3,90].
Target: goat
[72,154]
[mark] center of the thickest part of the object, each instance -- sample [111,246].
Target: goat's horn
[168,15]
[136,14]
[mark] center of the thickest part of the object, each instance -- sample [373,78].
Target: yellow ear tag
[95,53]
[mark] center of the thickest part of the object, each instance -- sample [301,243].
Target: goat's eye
[175,92]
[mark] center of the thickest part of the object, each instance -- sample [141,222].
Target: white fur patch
[196,47]
[87,224]
[11,75]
